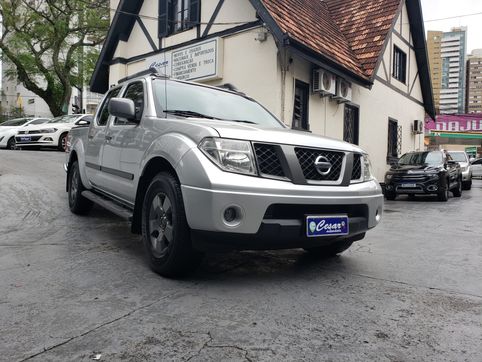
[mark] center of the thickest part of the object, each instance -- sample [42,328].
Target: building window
[399,65]
[351,125]
[178,15]
[300,110]
[394,141]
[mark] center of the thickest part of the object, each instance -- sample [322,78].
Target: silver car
[196,168]
[477,168]
[463,160]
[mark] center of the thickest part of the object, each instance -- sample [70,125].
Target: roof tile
[350,32]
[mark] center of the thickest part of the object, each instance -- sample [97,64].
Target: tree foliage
[51,43]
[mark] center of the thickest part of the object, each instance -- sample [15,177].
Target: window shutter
[399,140]
[194,12]
[164,7]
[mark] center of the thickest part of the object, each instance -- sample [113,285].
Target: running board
[112,206]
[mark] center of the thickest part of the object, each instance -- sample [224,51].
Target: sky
[438,9]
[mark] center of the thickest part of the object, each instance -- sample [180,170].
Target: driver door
[96,139]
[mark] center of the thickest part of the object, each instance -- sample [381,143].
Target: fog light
[389,187]
[230,214]
[48,139]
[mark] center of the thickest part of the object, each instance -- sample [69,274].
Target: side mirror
[123,108]
[82,122]
[472,160]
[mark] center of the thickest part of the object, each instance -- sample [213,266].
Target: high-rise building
[447,55]
[474,82]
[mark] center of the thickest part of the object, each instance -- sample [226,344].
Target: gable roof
[348,36]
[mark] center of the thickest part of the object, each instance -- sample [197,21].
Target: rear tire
[166,234]
[457,192]
[78,204]
[330,250]
[11,144]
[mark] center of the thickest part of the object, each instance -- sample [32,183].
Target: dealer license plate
[409,186]
[25,139]
[317,226]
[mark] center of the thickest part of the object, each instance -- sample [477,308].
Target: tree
[47,41]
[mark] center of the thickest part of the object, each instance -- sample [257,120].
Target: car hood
[47,125]
[275,135]
[410,169]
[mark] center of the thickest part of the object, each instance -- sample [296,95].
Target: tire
[166,234]
[390,196]
[78,204]
[467,185]
[444,195]
[457,192]
[330,250]
[11,144]
[62,142]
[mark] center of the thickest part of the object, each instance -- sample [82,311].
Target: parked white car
[477,168]
[9,129]
[51,134]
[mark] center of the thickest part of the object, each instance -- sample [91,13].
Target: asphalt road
[75,287]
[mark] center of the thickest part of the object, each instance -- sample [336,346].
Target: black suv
[424,173]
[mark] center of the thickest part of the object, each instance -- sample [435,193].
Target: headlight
[367,168]
[389,176]
[48,130]
[230,155]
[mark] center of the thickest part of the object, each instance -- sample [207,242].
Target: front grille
[357,167]
[29,132]
[307,158]
[268,160]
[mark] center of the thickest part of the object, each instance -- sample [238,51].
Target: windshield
[458,156]
[421,159]
[64,119]
[15,122]
[188,100]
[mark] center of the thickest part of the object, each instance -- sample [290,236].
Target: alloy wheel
[160,225]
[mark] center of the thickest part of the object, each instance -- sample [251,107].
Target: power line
[454,17]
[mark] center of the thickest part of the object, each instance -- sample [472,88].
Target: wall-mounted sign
[455,123]
[200,61]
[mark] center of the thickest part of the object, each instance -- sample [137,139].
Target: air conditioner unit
[418,127]
[343,91]
[324,82]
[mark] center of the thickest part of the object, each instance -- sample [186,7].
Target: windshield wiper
[240,121]
[185,113]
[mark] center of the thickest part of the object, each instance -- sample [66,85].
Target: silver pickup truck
[197,168]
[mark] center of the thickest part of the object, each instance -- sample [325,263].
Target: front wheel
[165,230]
[444,194]
[467,185]
[62,142]
[11,144]
[78,204]
[458,190]
[390,196]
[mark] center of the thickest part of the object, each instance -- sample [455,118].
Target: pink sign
[455,123]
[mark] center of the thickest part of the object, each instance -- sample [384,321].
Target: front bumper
[425,185]
[272,220]
[38,140]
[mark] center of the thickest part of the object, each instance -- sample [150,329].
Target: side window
[478,162]
[300,108]
[394,141]
[103,116]
[134,91]
[399,65]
